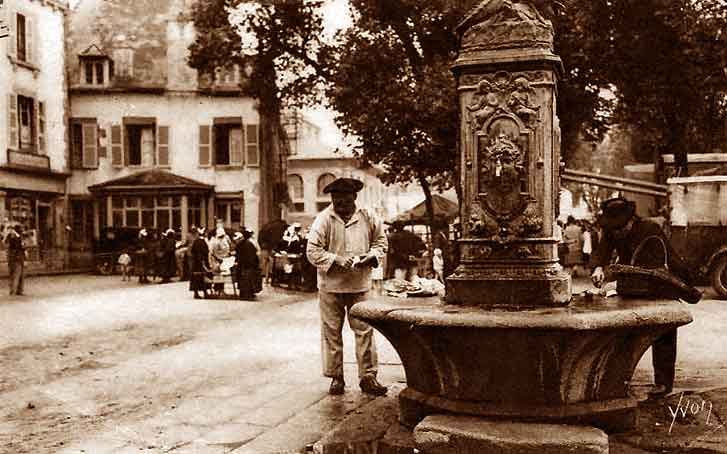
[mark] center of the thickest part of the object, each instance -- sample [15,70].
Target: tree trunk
[274,150]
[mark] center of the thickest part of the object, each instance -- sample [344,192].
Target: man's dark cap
[616,213]
[343,185]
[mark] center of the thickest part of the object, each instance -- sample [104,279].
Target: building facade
[33,112]
[153,143]
[312,165]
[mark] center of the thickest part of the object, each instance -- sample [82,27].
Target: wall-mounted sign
[28,159]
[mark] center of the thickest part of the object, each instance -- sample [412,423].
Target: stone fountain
[509,344]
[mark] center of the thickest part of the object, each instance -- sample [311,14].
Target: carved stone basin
[566,364]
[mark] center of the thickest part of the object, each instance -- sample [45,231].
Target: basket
[640,282]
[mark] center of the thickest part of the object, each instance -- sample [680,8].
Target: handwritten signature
[693,408]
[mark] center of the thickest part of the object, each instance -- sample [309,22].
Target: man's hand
[368,260]
[598,277]
[343,262]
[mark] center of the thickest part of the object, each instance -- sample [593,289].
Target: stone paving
[278,402]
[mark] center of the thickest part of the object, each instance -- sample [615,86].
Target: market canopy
[445,211]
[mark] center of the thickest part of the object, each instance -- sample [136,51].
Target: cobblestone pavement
[95,365]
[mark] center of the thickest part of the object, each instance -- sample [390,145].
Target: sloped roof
[92,51]
[151,179]
[139,25]
[444,210]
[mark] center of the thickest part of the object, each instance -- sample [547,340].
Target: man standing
[344,244]
[405,248]
[16,258]
[624,232]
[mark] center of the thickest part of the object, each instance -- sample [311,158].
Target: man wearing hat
[16,257]
[167,265]
[624,232]
[247,266]
[344,244]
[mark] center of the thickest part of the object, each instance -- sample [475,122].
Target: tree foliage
[663,60]
[278,43]
[393,90]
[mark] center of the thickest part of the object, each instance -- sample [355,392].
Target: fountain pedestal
[562,365]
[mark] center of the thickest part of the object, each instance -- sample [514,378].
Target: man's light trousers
[333,308]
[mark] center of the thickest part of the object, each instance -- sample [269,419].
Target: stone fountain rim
[617,313]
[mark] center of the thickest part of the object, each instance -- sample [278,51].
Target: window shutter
[12,38]
[90,142]
[252,145]
[30,49]
[13,121]
[41,127]
[205,145]
[117,147]
[236,147]
[163,146]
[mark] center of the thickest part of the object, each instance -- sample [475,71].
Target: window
[143,143]
[139,139]
[21,46]
[295,187]
[229,76]
[160,212]
[93,70]
[228,144]
[21,38]
[229,211]
[223,144]
[84,143]
[27,122]
[323,181]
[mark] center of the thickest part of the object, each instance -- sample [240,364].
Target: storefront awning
[151,180]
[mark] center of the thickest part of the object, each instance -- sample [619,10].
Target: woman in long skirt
[247,266]
[199,264]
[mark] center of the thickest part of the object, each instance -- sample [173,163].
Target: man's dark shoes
[337,386]
[369,385]
[659,391]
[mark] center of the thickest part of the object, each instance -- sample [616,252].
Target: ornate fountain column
[510,155]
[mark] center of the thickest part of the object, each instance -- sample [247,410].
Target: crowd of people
[577,240]
[208,258]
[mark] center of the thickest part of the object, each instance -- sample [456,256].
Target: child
[124,261]
[377,276]
[438,264]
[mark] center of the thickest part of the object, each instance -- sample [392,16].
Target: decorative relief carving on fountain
[503,93]
[498,24]
[504,229]
[536,78]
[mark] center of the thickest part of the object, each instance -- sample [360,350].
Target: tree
[394,91]
[279,43]
[664,61]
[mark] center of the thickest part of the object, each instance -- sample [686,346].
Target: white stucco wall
[46,84]
[183,113]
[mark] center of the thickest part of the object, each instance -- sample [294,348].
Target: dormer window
[94,72]
[228,76]
[95,67]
